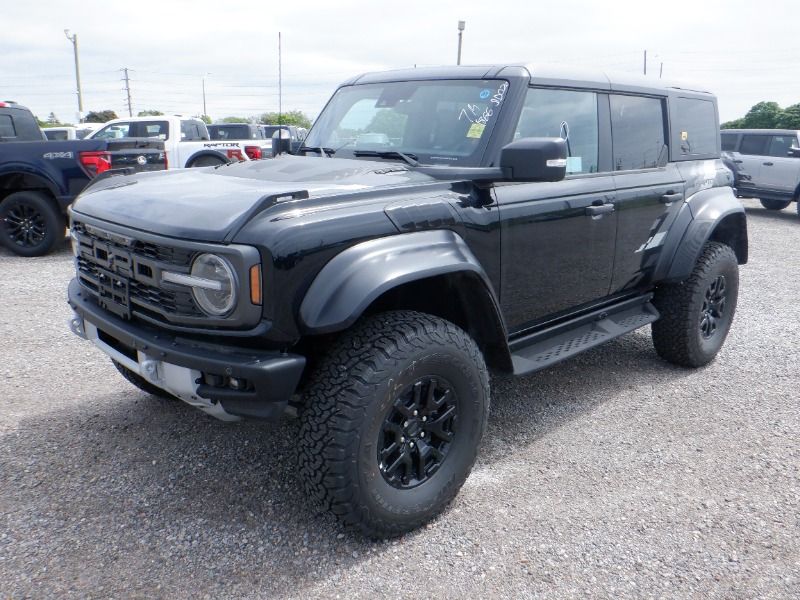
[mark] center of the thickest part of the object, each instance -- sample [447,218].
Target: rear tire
[392,421]
[30,224]
[775,204]
[141,383]
[696,314]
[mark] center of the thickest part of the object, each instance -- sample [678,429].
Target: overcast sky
[743,51]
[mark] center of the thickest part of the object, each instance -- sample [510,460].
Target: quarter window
[728,142]
[568,114]
[110,132]
[7,127]
[154,129]
[697,125]
[637,132]
[754,144]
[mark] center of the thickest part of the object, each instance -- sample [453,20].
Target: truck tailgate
[138,154]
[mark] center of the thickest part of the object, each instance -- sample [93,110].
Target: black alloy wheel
[418,432]
[30,224]
[713,307]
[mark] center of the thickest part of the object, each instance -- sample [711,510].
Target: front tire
[775,204]
[30,224]
[392,421]
[696,314]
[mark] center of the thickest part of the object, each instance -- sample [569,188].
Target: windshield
[438,122]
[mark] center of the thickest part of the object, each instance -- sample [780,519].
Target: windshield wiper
[318,149]
[410,159]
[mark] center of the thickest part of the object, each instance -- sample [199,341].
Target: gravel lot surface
[610,475]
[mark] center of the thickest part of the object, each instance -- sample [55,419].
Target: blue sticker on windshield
[485,94]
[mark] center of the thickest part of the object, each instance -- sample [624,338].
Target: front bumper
[184,367]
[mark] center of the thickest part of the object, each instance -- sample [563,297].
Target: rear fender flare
[715,214]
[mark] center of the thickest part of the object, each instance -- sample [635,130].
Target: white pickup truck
[186,140]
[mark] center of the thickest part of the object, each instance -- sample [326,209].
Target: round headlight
[217,297]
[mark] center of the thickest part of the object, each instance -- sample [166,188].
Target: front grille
[140,264]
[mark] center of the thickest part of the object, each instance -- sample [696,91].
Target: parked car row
[39,179]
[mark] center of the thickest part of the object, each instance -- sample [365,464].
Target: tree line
[292,117]
[767,115]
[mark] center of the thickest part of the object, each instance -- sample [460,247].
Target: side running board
[554,344]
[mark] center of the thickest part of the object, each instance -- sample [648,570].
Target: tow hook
[75,323]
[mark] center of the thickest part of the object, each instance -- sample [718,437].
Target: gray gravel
[611,475]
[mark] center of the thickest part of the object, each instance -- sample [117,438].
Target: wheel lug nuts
[416,413]
[424,418]
[402,439]
[421,434]
[405,424]
[412,444]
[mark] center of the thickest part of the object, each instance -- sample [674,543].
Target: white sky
[744,51]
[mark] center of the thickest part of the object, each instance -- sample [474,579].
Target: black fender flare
[711,214]
[24,171]
[207,152]
[357,276]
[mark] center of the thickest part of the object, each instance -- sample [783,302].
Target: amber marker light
[255,284]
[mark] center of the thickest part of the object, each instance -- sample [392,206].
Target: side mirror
[794,152]
[534,159]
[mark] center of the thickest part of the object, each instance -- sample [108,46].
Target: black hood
[211,204]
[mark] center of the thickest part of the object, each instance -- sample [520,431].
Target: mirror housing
[794,152]
[534,159]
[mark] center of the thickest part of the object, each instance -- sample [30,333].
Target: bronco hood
[212,204]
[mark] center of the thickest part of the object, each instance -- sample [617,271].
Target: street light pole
[74,39]
[461,25]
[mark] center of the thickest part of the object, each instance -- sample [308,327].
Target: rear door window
[637,132]
[780,145]
[567,114]
[754,145]
[153,129]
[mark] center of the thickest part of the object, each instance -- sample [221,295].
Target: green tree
[790,117]
[292,117]
[52,120]
[149,113]
[100,116]
[735,124]
[763,115]
[235,120]
[387,121]
[205,119]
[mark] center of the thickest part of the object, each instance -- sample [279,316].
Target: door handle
[600,209]
[767,164]
[671,197]
[738,162]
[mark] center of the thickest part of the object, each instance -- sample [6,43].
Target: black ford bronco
[436,224]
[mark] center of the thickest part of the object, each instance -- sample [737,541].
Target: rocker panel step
[544,350]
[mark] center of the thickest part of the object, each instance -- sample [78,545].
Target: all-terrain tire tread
[338,392]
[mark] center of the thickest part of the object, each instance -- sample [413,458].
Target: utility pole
[461,25]
[74,39]
[128,91]
[645,62]
[280,84]
[204,96]
[661,70]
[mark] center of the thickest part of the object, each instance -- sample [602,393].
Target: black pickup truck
[439,223]
[39,179]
